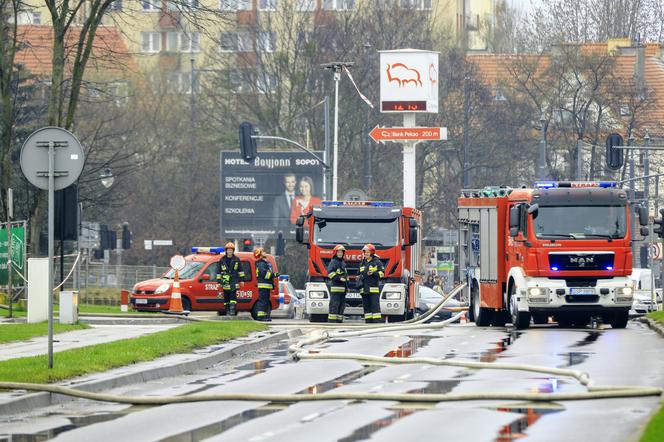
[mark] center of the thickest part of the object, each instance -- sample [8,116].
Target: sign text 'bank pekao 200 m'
[267,196]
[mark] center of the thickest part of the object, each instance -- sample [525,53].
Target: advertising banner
[408,81]
[18,254]
[266,196]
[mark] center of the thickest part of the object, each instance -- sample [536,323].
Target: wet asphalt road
[634,356]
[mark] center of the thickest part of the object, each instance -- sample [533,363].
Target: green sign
[18,254]
[446,266]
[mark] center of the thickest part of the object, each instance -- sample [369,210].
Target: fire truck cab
[558,249]
[198,285]
[394,232]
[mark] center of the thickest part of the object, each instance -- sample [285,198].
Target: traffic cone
[175,306]
[462,319]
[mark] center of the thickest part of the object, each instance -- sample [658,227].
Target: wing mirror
[643,215]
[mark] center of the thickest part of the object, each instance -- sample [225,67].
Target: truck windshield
[580,222]
[189,271]
[357,232]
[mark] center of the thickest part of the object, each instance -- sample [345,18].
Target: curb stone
[43,399]
[654,325]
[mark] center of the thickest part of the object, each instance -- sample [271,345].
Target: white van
[642,292]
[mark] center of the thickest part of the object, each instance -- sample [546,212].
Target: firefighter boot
[232,310]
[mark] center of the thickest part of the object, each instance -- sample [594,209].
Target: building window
[236,5]
[150,41]
[267,41]
[306,5]
[36,18]
[228,42]
[338,5]
[266,83]
[181,4]
[624,110]
[245,42]
[183,42]
[116,5]
[267,5]
[422,5]
[151,5]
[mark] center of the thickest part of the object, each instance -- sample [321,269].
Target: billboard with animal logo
[409,81]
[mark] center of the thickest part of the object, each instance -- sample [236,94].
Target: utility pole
[632,198]
[10,215]
[579,159]
[365,139]
[466,116]
[337,68]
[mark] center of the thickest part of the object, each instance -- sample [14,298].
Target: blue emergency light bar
[207,250]
[358,203]
[576,184]
[283,278]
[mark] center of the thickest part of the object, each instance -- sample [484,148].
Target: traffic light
[247,144]
[658,228]
[66,213]
[104,237]
[126,237]
[247,245]
[614,156]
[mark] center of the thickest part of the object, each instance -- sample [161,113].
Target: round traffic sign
[69,157]
[178,262]
[653,251]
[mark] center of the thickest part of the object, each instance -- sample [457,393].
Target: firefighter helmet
[258,253]
[230,245]
[370,248]
[339,247]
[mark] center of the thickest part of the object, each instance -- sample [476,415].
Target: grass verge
[655,428]
[102,357]
[21,332]
[657,316]
[82,308]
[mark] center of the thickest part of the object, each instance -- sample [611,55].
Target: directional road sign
[382,134]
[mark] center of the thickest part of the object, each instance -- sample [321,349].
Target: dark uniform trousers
[371,272]
[264,277]
[338,275]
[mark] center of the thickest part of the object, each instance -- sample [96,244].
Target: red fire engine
[559,249]
[393,230]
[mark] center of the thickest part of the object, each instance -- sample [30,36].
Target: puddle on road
[492,354]
[366,431]
[574,358]
[437,387]
[211,430]
[341,381]
[517,428]
[592,337]
[76,422]
[409,348]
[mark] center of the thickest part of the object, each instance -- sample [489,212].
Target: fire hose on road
[297,353]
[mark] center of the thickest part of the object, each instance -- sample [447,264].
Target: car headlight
[392,295]
[317,295]
[538,294]
[624,294]
[162,288]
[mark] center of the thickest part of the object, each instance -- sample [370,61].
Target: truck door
[514,248]
[247,290]
[205,290]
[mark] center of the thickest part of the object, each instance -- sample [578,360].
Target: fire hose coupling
[538,294]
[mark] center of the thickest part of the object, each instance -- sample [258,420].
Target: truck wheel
[317,318]
[520,320]
[482,315]
[619,320]
[471,308]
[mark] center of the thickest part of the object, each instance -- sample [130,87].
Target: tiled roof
[110,55]
[497,69]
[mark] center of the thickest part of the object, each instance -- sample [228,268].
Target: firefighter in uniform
[229,275]
[371,272]
[338,275]
[264,277]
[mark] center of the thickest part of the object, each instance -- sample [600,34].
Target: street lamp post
[541,164]
[367,144]
[337,68]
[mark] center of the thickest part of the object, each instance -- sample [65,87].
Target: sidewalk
[96,334]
